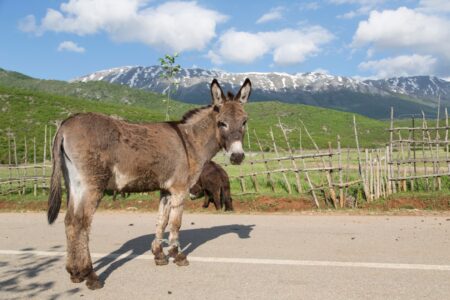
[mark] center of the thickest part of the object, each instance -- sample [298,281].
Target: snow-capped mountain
[369,97]
[420,87]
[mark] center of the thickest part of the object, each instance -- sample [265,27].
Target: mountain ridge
[372,98]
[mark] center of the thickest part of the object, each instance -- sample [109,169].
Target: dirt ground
[399,204]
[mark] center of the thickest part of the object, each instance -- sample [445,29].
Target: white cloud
[360,2]
[364,7]
[403,65]
[434,6]
[310,6]
[404,29]
[28,24]
[71,47]
[287,46]
[178,26]
[274,14]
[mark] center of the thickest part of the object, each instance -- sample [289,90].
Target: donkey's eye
[222,125]
[244,123]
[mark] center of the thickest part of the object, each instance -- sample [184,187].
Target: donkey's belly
[128,182]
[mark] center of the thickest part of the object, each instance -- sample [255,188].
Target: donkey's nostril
[237,158]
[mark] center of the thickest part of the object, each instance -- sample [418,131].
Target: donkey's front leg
[163,218]
[175,217]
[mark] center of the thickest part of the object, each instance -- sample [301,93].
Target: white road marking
[254,261]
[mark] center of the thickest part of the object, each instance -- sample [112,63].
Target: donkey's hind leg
[218,204]
[78,221]
[175,217]
[163,218]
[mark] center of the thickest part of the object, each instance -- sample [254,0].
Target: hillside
[94,91]
[25,112]
[372,98]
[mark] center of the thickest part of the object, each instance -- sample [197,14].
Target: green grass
[29,104]
[26,113]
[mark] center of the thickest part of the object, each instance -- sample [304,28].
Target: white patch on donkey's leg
[77,187]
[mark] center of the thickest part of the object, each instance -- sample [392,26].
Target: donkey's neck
[201,139]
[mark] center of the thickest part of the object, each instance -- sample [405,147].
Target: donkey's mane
[187,116]
[190,114]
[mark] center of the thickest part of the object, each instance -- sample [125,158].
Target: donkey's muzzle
[237,158]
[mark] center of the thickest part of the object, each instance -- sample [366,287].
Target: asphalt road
[235,257]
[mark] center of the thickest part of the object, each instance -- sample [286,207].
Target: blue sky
[63,39]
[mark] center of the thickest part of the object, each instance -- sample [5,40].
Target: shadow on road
[140,245]
[20,278]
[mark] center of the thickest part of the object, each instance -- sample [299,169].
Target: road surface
[235,257]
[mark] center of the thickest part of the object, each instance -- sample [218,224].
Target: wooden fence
[418,153]
[20,175]
[414,158]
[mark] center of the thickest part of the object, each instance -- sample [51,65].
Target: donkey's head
[231,118]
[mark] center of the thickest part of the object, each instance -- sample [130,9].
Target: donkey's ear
[244,92]
[218,97]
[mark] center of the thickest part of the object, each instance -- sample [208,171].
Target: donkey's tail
[54,199]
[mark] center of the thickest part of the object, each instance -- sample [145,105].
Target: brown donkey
[214,184]
[95,153]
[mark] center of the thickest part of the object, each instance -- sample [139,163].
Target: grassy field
[25,113]
[28,105]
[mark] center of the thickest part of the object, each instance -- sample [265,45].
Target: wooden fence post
[269,177]
[286,181]
[341,182]
[294,165]
[328,173]
[308,179]
[361,173]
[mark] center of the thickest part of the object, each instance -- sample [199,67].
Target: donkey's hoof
[181,260]
[161,261]
[75,275]
[76,279]
[94,284]
[92,281]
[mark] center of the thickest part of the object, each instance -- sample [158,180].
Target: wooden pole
[410,164]
[25,171]
[423,150]
[17,165]
[391,137]
[341,190]
[369,168]
[388,171]
[446,140]
[308,179]
[44,157]
[438,166]
[286,181]
[361,173]
[35,168]
[430,147]
[269,178]
[9,163]
[294,164]
[347,171]
[402,155]
[328,174]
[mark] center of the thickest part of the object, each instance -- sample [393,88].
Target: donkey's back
[97,152]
